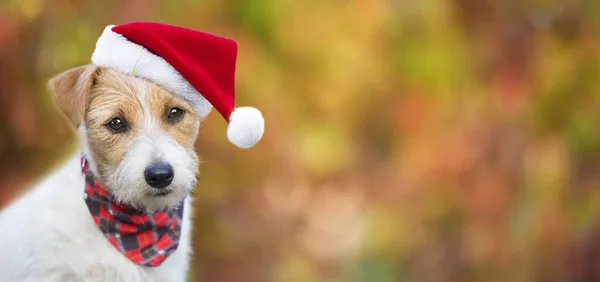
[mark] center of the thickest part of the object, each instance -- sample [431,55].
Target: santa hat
[197,66]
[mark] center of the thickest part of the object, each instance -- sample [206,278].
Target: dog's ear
[71,89]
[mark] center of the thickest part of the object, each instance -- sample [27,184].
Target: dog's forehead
[143,105]
[121,89]
[110,82]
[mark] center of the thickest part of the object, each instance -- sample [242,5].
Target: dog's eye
[116,125]
[175,114]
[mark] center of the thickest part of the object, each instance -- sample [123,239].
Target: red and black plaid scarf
[145,239]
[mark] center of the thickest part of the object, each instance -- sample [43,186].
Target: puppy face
[141,138]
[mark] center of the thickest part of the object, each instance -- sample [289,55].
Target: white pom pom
[246,127]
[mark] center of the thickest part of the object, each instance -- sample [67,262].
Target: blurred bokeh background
[411,140]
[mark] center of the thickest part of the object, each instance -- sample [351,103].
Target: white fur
[246,127]
[49,234]
[115,51]
[127,183]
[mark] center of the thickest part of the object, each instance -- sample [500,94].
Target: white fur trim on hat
[246,127]
[114,51]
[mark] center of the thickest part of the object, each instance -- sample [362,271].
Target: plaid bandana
[145,239]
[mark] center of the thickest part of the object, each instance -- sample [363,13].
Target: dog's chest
[55,238]
[103,262]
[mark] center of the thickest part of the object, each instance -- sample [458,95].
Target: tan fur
[183,131]
[70,90]
[115,95]
[112,97]
[133,100]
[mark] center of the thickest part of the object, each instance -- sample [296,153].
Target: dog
[48,235]
[119,208]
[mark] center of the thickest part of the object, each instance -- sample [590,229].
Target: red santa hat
[197,66]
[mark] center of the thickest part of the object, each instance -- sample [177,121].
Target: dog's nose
[159,175]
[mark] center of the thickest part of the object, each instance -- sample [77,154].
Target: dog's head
[140,136]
